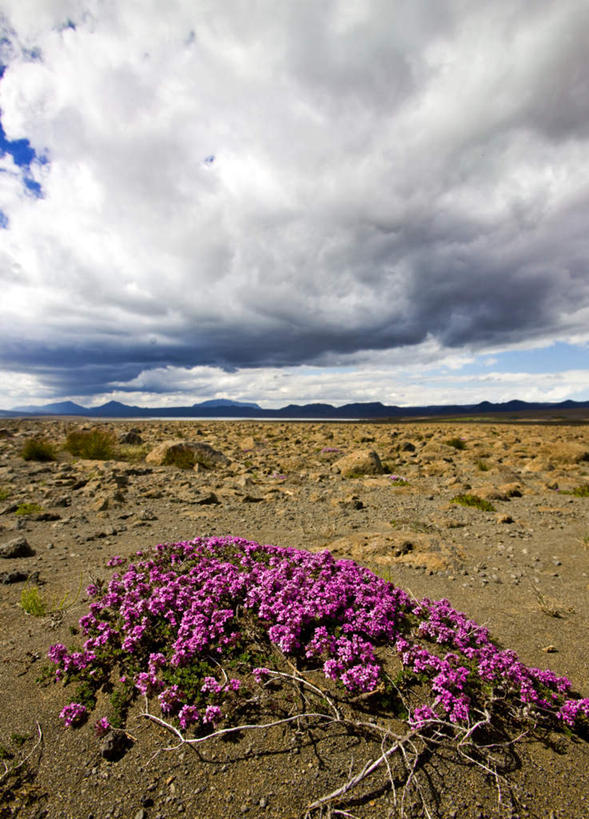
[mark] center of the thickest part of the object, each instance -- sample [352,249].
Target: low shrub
[38,449]
[473,501]
[95,444]
[5,493]
[456,443]
[581,491]
[32,602]
[28,509]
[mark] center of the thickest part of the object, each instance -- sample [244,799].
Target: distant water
[231,418]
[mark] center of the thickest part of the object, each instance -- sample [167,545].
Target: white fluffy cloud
[274,185]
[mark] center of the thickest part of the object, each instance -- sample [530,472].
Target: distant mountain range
[225,408]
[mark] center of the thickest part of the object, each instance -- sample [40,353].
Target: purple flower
[260,674]
[57,653]
[169,699]
[73,714]
[182,604]
[101,727]
[361,677]
[573,710]
[421,715]
[212,714]
[188,716]
[210,685]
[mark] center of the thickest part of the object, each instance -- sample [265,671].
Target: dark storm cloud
[384,173]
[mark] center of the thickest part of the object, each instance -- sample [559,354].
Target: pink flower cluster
[182,606]
[102,727]
[72,714]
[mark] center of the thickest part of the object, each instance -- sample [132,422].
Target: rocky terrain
[493,516]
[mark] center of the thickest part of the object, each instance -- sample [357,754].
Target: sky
[290,201]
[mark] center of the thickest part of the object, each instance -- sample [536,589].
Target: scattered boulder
[383,549]
[186,454]
[146,515]
[107,500]
[17,547]
[43,517]
[8,509]
[565,452]
[244,482]
[249,443]
[209,457]
[114,745]
[15,576]
[132,437]
[490,492]
[207,499]
[166,452]
[350,501]
[501,493]
[512,490]
[359,462]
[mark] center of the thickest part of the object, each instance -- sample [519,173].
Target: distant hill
[60,408]
[226,402]
[225,408]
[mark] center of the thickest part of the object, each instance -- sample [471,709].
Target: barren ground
[521,570]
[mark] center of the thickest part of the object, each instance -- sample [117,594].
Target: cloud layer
[235,185]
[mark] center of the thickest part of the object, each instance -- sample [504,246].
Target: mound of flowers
[198,627]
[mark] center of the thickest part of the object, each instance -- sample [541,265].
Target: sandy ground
[521,569]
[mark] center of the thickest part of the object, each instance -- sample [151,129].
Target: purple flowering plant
[199,627]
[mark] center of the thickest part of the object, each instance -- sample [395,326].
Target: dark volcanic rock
[15,576]
[17,547]
[132,438]
[114,745]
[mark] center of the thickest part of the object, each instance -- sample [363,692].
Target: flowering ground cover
[209,633]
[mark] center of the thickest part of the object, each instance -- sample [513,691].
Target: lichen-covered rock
[165,452]
[205,455]
[359,462]
[186,454]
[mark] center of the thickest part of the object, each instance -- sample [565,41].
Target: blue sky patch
[20,149]
[553,358]
[23,155]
